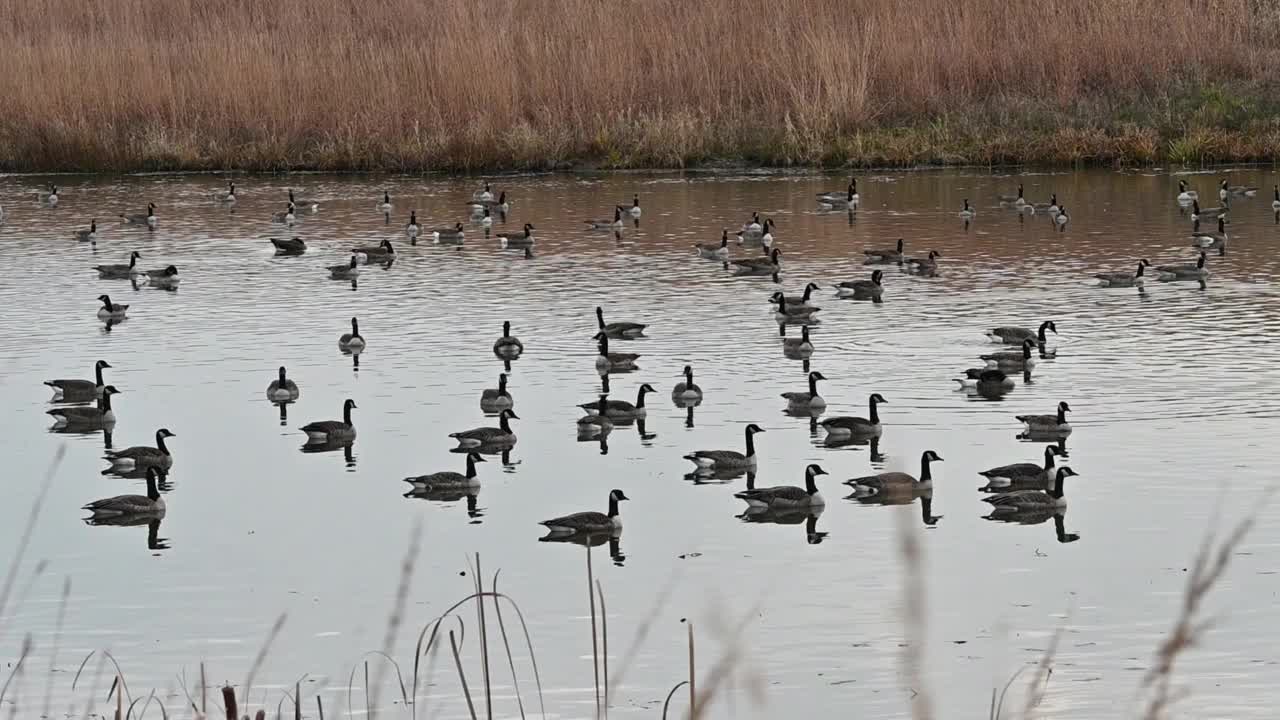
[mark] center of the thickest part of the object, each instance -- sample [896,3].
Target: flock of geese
[1022,492]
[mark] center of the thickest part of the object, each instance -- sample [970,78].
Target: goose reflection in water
[503,450]
[325,446]
[449,497]
[926,503]
[590,540]
[155,543]
[1037,517]
[833,442]
[600,438]
[809,517]
[721,477]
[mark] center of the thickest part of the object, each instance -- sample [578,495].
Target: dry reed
[444,84]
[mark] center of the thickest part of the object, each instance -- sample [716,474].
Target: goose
[508,345]
[596,422]
[454,235]
[1041,424]
[293,246]
[589,523]
[1015,335]
[140,456]
[131,505]
[895,482]
[1010,360]
[923,266]
[862,289]
[110,310]
[285,218]
[1012,198]
[385,205]
[797,299]
[787,311]
[967,212]
[714,460]
[328,431]
[381,253]
[518,240]
[1227,191]
[1123,279]
[90,235]
[800,346]
[230,195]
[282,389]
[166,277]
[149,219]
[80,388]
[714,251]
[1275,202]
[1184,272]
[449,480]
[1025,500]
[607,361]
[1185,196]
[349,271]
[486,219]
[763,236]
[116,272]
[489,435]
[353,341]
[845,425]
[810,400]
[1051,207]
[310,205]
[841,198]
[1197,213]
[497,399]
[985,378]
[87,415]
[48,198]
[625,330]
[787,496]
[635,206]
[484,194]
[883,256]
[767,265]
[411,229]
[1212,240]
[687,390]
[1021,475]
[616,222]
[1062,217]
[501,204]
[753,226]
[621,408]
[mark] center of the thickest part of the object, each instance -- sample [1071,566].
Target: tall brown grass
[447,84]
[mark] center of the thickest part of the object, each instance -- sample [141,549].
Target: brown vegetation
[445,84]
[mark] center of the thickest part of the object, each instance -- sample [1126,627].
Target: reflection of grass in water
[1189,630]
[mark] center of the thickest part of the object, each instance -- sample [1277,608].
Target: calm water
[1174,392]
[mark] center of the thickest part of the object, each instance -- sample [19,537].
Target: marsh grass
[445,84]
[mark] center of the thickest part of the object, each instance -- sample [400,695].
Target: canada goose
[796,299]
[1042,424]
[785,310]
[125,505]
[166,277]
[385,205]
[883,256]
[497,399]
[485,218]
[1010,360]
[923,266]
[149,219]
[1123,279]
[454,235]
[449,480]
[87,415]
[1197,213]
[616,222]
[728,459]
[50,197]
[411,228]
[110,310]
[90,235]
[518,240]
[1021,476]
[1185,196]
[753,226]
[309,205]
[80,388]
[1184,272]
[618,329]
[380,253]
[787,496]
[1062,217]
[840,198]
[621,408]
[230,195]
[985,378]
[845,425]
[282,389]
[1015,335]
[607,361]
[713,251]
[1275,202]
[589,523]
[293,246]
[596,421]
[1051,206]
[1024,500]
[801,346]
[862,289]
[328,431]
[489,435]
[1212,240]
[353,341]
[501,204]
[140,456]
[507,346]
[895,482]
[967,212]
[288,217]
[763,236]
[810,400]
[767,265]
[484,194]
[687,390]
[349,271]
[1012,198]
[635,206]
[1225,191]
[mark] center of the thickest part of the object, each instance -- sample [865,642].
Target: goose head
[349,405]
[617,495]
[646,388]
[282,375]
[753,428]
[110,390]
[1064,407]
[506,328]
[101,364]
[877,276]
[774,255]
[815,376]
[877,398]
[528,227]
[688,371]
[814,469]
[930,456]
[934,254]
[135,255]
[164,432]
[509,415]
[475,457]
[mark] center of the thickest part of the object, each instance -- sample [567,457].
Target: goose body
[1016,335]
[1198,271]
[383,252]
[635,210]
[1185,196]
[80,388]
[489,435]
[1009,360]
[885,256]
[762,235]
[448,480]
[118,272]
[119,506]
[616,222]
[607,361]
[353,341]
[714,251]
[87,415]
[713,460]
[451,235]
[497,399]
[1048,424]
[309,205]
[621,408]
[1275,198]
[967,212]
[923,266]
[597,420]
[841,198]
[985,378]
[501,204]
[1062,218]
[801,347]
[1051,207]
[288,217]
[282,389]
[347,271]
[230,195]
[787,496]
[626,330]
[896,482]
[149,219]
[507,346]
[803,300]
[845,425]
[809,400]
[1015,199]
[754,226]
[1198,213]
[140,456]
[1028,500]
[1021,476]
[328,431]
[687,390]
[292,246]
[110,310]
[862,289]
[1212,240]
[1225,191]
[589,523]
[518,240]
[412,228]
[1124,279]
[90,235]
[385,205]
[50,197]
[785,310]
[163,277]
[484,194]
[767,265]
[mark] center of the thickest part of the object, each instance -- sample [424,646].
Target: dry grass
[444,84]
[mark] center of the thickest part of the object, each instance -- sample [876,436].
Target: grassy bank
[445,84]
